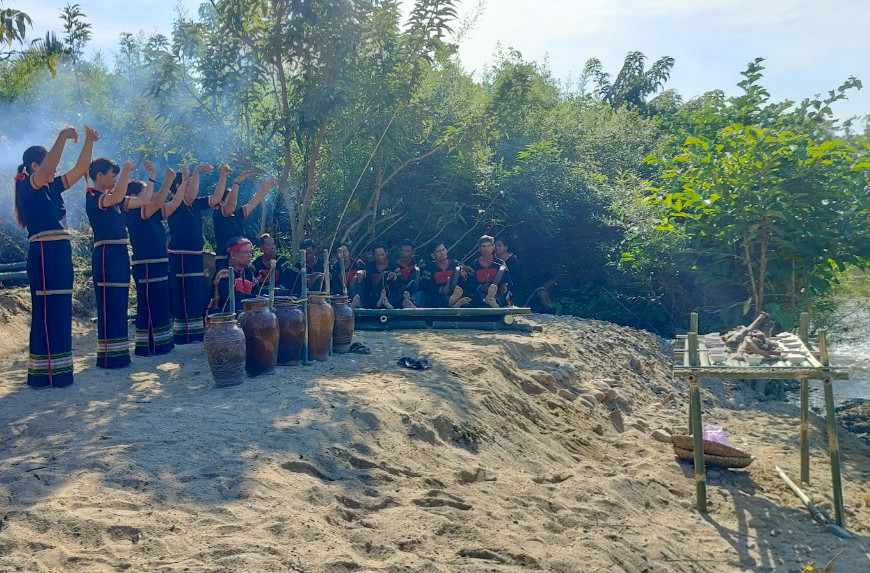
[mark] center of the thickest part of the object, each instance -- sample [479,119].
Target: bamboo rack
[696,366]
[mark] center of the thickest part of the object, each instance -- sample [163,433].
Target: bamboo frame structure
[304,300]
[696,366]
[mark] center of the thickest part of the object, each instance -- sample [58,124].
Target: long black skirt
[50,272]
[153,323]
[188,296]
[111,268]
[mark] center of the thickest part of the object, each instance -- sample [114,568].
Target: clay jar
[261,336]
[225,350]
[321,321]
[291,330]
[342,334]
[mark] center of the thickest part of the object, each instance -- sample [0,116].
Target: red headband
[238,246]
[21,176]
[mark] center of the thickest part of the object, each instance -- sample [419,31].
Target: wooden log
[15,276]
[8,267]
[737,337]
[494,326]
[432,312]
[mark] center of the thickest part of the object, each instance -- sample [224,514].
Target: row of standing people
[121,213]
[403,282]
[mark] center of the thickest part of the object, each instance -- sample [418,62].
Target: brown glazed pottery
[225,350]
[291,329]
[342,334]
[321,321]
[261,336]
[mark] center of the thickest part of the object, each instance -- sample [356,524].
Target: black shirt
[147,236]
[226,228]
[108,224]
[41,209]
[185,226]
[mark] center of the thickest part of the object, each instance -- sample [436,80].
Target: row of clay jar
[260,339]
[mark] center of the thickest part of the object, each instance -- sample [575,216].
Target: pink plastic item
[715,434]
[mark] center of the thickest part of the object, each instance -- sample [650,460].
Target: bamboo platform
[696,366]
[430,315]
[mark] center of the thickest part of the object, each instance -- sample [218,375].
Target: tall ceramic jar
[225,350]
[342,334]
[291,330]
[261,336]
[321,321]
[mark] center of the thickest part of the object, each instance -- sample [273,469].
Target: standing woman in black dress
[150,266]
[110,261]
[187,276]
[40,209]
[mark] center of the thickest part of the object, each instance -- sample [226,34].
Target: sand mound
[514,452]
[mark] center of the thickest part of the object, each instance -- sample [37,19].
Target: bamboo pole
[815,512]
[326,278]
[698,439]
[833,439]
[7,267]
[272,284]
[693,322]
[427,312]
[13,276]
[303,267]
[803,333]
[343,271]
[694,360]
[232,289]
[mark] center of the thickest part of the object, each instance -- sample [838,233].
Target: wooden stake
[343,271]
[326,278]
[804,327]
[232,289]
[272,284]
[693,322]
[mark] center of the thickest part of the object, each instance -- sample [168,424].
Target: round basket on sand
[714,452]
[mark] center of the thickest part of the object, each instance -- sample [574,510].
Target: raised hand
[91,135]
[226,170]
[270,184]
[204,167]
[169,174]
[70,133]
[149,167]
[184,171]
[129,165]
[244,175]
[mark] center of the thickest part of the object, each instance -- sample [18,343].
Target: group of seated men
[381,282]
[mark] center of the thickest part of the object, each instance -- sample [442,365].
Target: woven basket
[712,459]
[711,448]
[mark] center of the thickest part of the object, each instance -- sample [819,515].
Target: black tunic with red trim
[110,264]
[434,278]
[335,284]
[284,275]
[375,282]
[483,276]
[50,273]
[245,287]
[314,275]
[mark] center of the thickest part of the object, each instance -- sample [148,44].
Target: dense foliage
[644,206]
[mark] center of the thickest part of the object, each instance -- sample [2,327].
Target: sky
[809,47]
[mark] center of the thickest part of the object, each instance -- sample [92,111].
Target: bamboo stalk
[817,514]
[13,276]
[304,269]
[694,360]
[6,267]
[426,312]
[693,322]
[326,277]
[804,327]
[764,372]
[453,325]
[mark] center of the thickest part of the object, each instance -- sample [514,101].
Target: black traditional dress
[226,228]
[187,277]
[375,282]
[151,275]
[284,274]
[110,264]
[434,278]
[482,277]
[50,272]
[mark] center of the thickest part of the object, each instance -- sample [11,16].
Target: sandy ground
[486,462]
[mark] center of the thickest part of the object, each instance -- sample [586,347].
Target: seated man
[440,280]
[239,251]
[284,275]
[539,301]
[379,280]
[353,277]
[407,290]
[313,269]
[490,277]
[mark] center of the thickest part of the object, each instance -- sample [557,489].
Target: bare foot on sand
[355,302]
[457,294]
[407,302]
